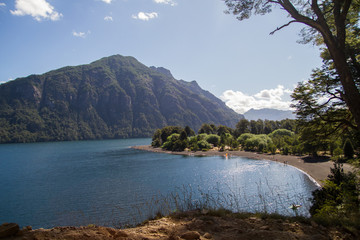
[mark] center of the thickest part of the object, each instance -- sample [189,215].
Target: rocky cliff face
[114,97]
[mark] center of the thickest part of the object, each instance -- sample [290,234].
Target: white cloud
[80,34]
[268,98]
[2,4]
[170,2]
[107,1]
[38,9]
[108,18]
[145,16]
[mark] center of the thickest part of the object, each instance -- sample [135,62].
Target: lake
[108,183]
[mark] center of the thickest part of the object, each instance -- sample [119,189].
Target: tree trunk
[352,94]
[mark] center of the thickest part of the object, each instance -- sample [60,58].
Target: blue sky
[236,61]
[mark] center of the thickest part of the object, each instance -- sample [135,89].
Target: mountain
[269,114]
[114,97]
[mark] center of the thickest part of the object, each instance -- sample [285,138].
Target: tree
[338,198]
[189,131]
[348,150]
[213,139]
[223,129]
[242,127]
[207,128]
[331,23]
[321,109]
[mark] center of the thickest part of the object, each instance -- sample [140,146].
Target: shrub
[281,133]
[213,139]
[338,199]
[243,137]
[203,145]
[257,142]
[175,143]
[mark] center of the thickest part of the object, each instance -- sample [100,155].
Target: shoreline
[317,168]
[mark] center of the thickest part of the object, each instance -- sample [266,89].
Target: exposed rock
[264,228]
[207,236]
[8,229]
[191,235]
[114,97]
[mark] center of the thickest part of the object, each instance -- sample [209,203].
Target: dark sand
[318,168]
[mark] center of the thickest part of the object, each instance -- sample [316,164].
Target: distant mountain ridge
[114,97]
[269,114]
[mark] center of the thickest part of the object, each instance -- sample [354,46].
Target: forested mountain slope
[114,97]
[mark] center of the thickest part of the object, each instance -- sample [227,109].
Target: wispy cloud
[108,18]
[145,16]
[80,34]
[170,2]
[107,1]
[38,9]
[2,4]
[268,98]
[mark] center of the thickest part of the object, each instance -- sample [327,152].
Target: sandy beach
[318,168]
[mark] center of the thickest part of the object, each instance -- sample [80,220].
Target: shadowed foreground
[196,225]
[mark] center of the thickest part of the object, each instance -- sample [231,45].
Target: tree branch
[285,25]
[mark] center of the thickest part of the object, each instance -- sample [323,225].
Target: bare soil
[196,225]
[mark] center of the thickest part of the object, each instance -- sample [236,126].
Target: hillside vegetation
[114,97]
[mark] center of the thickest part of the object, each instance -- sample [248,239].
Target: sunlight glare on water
[105,182]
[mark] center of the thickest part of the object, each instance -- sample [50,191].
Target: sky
[237,61]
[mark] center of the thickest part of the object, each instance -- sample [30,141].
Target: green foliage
[203,145]
[175,143]
[189,131]
[207,129]
[258,143]
[223,129]
[242,127]
[160,136]
[337,152]
[156,139]
[243,137]
[338,199]
[281,133]
[263,127]
[114,97]
[213,139]
[334,25]
[348,150]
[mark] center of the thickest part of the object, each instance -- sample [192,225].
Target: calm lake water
[108,183]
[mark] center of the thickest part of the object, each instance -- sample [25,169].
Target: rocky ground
[196,225]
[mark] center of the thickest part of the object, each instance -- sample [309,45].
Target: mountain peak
[269,114]
[162,70]
[114,97]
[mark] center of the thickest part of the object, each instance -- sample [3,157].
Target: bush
[175,143]
[243,137]
[213,139]
[257,142]
[338,199]
[203,145]
[281,133]
[337,153]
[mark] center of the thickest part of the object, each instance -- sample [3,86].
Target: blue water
[106,182]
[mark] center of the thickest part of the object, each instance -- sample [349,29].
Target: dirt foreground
[196,225]
[317,168]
